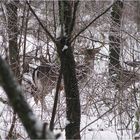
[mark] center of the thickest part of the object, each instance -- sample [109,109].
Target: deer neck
[89,64]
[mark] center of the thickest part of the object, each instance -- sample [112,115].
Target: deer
[46,74]
[44,78]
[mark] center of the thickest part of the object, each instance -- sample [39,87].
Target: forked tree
[67,16]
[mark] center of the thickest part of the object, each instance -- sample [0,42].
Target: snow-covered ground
[93,126]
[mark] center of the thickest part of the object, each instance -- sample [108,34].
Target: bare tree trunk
[13,47]
[114,49]
[115,39]
[138,15]
[67,16]
[64,49]
[13,36]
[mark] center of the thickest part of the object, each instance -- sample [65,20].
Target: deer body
[45,76]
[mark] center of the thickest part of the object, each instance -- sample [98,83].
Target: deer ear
[35,75]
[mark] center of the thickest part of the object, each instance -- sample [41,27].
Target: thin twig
[99,117]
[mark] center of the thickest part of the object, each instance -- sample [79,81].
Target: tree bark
[13,36]
[67,16]
[73,112]
[138,15]
[71,91]
[13,46]
[115,39]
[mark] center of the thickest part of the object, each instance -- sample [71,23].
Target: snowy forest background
[95,41]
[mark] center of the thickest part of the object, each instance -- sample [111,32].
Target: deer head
[89,54]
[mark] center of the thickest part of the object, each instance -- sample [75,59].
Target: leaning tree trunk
[114,40]
[64,49]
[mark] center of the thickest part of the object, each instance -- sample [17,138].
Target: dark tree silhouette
[115,40]
[64,49]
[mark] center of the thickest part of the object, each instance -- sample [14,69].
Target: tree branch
[82,30]
[41,24]
[55,100]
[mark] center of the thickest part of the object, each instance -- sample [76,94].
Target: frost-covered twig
[33,127]
[99,117]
